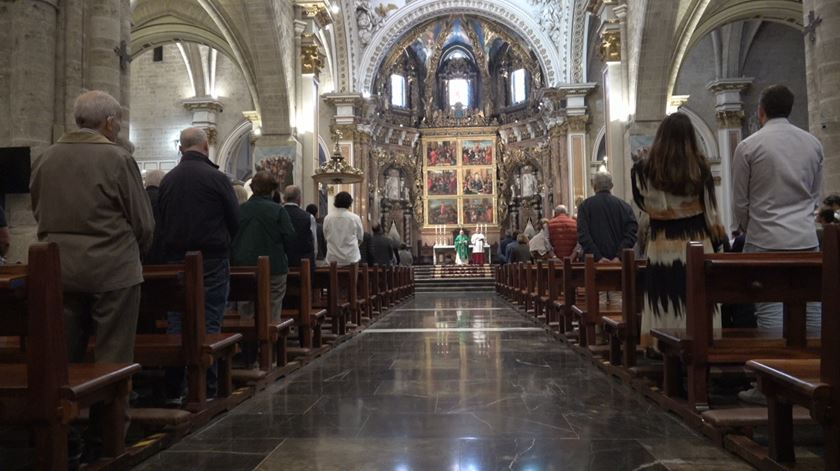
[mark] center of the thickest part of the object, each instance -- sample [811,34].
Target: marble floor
[450,382]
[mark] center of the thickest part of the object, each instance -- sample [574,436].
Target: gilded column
[577,154]
[560,166]
[577,159]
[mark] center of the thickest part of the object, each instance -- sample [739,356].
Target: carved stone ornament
[730,119]
[555,20]
[508,13]
[318,13]
[212,136]
[310,59]
[611,46]
[577,123]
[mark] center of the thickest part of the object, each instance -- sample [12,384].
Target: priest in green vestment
[462,248]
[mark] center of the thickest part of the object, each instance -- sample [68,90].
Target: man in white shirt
[343,231]
[777,174]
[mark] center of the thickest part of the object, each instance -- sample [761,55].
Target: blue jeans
[216,288]
[769,316]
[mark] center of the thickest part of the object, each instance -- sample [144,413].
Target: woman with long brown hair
[673,184]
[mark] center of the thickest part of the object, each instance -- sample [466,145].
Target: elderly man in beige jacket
[88,197]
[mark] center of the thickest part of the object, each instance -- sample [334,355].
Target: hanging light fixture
[336,171]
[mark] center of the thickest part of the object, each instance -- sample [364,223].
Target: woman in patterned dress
[673,184]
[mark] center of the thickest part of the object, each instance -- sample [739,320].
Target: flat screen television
[15,168]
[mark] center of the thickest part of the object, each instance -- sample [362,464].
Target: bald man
[198,212]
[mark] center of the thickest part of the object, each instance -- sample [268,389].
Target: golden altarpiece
[460,131]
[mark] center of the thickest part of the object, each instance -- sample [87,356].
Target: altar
[443,249]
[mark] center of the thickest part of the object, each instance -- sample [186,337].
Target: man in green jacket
[264,229]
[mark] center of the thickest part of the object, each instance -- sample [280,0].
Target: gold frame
[459,137]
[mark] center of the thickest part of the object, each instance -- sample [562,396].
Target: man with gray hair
[198,211]
[605,223]
[87,196]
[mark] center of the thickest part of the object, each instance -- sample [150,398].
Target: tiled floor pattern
[450,382]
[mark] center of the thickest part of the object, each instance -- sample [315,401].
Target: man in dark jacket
[503,245]
[605,224]
[302,245]
[322,242]
[381,248]
[152,181]
[198,211]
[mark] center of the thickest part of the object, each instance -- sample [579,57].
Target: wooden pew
[522,287]
[574,280]
[811,383]
[307,318]
[791,278]
[326,290]
[623,331]
[528,289]
[180,287]
[364,299]
[375,290]
[266,336]
[598,278]
[556,303]
[46,392]
[539,297]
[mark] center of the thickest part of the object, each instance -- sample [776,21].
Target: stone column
[577,155]
[308,106]
[822,48]
[205,111]
[354,144]
[103,34]
[30,71]
[28,38]
[729,110]
[613,51]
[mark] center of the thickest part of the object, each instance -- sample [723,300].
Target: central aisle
[450,382]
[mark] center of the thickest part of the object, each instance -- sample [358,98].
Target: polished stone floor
[450,382]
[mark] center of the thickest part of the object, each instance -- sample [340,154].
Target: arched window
[518,88]
[398,91]
[459,92]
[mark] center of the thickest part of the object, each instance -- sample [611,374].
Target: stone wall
[157,95]
[775,56]
[158,115]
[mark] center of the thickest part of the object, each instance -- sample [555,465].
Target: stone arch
[708,140]
[665,30]
[701,18]
[787,12]
[504,12]
[223,156]
[156,22]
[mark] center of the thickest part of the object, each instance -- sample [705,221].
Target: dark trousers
[216,288]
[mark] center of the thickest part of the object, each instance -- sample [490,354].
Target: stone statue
[393,185]
[529,181]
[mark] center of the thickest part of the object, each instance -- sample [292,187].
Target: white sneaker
[753,396]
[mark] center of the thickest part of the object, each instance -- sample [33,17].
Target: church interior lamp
[336,171]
